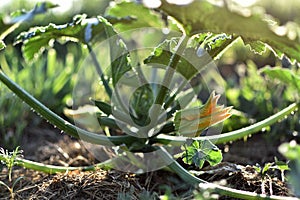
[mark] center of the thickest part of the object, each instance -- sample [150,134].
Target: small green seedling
[9,160]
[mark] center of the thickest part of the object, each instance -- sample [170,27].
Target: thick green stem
[99,71]
[163,89]
[230,136]
[191,179]
[174,60]
[171,99]
[51,169]
[59,122]
[142,79]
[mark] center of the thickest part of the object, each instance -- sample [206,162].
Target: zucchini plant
[146,102]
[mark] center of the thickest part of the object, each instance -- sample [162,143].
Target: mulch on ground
[111,184]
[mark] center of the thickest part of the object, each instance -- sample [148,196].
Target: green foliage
[214,44]
[141,101]
[201,16]
[292,152]
[55,75]
[197,152]
[103,106]
[2,45]
[280,9]
[277,165]
[12,122]
[40,8]
[20,16]
[163,53]
[81,29]
[141,16]
[119,55]
[195,57]
[280,165]
[286,76]
[253,103]
[9,159]
[251,99]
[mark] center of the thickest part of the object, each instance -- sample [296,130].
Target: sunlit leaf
[214,44]
[192,121]
[200,52]
[40,8]
[201,16]
[103,106]
[143,17]
[120,58]
[285,75]
[266,167]
[161,58]
[258,47]
[81,29]
[9,24]
[197,152]
[283,166]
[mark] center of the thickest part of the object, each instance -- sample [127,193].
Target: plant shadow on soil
[45,144]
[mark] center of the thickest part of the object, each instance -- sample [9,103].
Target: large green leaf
[40,8]
[285,75]
[119,55]
[143,17]
[81,29]
[201,50]
[201,16]
[10,24]
[163,53]
[215,44]
[197,152]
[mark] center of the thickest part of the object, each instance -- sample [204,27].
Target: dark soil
[49,146]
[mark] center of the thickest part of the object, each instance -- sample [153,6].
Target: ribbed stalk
[99,71]
[52,169]
[230,136]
